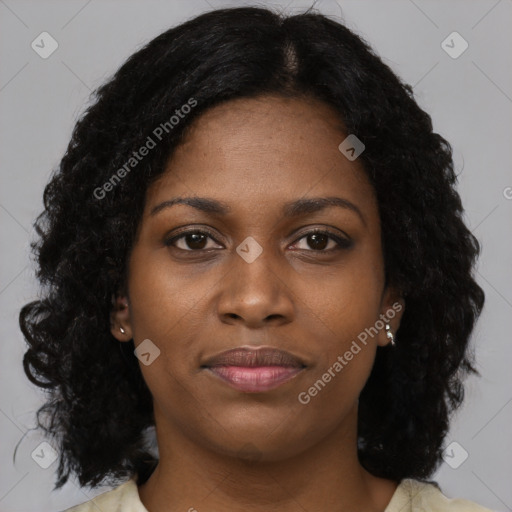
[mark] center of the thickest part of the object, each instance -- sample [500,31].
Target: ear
[392,309]
[120,318]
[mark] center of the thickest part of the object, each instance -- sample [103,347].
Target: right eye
[195,240]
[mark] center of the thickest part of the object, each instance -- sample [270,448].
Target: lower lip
[255,379]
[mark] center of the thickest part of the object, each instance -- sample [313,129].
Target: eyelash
[343,243]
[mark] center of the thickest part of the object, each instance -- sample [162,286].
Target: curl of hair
[99,405]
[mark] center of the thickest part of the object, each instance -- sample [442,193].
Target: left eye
[319,241]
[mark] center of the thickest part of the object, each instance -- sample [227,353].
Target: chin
[259,445]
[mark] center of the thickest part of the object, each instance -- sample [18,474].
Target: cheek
[333,392]
[343,315]
[348,300]
[160,296]
[339,318]
[167,307]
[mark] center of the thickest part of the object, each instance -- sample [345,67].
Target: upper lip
[252,357]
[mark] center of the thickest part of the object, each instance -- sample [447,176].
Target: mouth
[254,370]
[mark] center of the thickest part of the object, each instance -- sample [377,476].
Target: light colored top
[409,496]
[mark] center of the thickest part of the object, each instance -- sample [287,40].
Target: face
[256,264]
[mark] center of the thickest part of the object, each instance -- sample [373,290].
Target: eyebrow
[295,208]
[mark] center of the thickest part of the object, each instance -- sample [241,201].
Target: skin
[220,448]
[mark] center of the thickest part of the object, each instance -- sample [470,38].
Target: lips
[251,357]
[254,370]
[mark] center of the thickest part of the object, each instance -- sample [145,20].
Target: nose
[255,294]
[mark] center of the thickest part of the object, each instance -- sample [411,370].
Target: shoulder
[123,498]
[414,495]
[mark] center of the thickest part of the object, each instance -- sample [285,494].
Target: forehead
[266,150]
[290,126]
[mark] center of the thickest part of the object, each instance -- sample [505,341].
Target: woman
[254,244]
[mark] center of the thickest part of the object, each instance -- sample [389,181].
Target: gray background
[469,98]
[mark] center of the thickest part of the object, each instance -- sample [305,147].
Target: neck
[326,476]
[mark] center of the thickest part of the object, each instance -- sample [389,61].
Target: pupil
[195,240]
[316,244]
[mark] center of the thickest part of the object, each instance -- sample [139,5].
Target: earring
[390,336]
[122,330]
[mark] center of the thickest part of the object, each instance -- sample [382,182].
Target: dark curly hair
[98,406]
